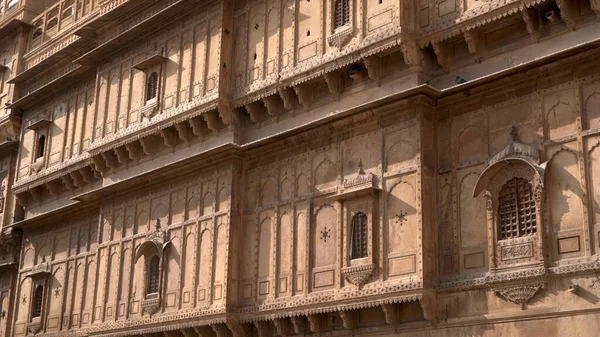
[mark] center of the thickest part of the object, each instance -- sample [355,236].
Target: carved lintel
[391,312]
[220,330]
[475,44]
[169,136]
[212,120]
[305,95]
[595,4]
[348,318]
[110,159]
[239,329]
[287,96]
[99,164]
[134,149]
[282,326]
[147,144]
[567,12]
[122,155]
[274,105]
[531,16]
[197,127]
[256,111]
[315,322]
[519,294]
[299,324]
[334,83]
[53,187]
[413,56]
[373,65]
[262,327]
[184,132]
[442,54]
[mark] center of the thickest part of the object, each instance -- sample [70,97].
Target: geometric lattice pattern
[358,235]
[152,86]
[516,211]
[38,298]
[153,275]
[342,13]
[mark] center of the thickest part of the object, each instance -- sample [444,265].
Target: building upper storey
[103,86]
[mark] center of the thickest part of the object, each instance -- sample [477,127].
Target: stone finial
[157,225]
[514,133]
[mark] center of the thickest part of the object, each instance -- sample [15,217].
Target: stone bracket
[391,312]
[532,22]
[299,324]
[134,149]
[287,96]
[413,56]
[334,83]
[305,95]
[442,54]
[274,105]
[348,318]
[373,65]
[315,323]
[475,44]
[169,136]
[567,12]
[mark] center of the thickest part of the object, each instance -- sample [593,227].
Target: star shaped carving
[325,234]
[401,218]
[57,292]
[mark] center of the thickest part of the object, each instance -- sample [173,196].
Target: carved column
[489,209]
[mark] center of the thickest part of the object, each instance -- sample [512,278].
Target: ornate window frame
[151,65]
[339,36]
[517,160]
[154,246]
[39,275]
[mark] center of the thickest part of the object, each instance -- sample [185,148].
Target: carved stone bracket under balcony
[151,305]
[358,275]
[340,37]
[150,109]
[519,294]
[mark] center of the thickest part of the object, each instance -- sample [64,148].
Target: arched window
[12,4]
[516,210]
[358,236]
[41,147]
[153,275]
[152,86]
[38,298]
[342,13]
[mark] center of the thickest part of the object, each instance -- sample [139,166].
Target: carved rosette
[358,275]
[519,294]
[340,37]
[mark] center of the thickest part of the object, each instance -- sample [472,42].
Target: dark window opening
[41,147]
[516,210]
[153,275]
[358,237]
[38,298]
[342,13]
[152,86]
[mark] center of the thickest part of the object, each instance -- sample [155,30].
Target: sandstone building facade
[254,168]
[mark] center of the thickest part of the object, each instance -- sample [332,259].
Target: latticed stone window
[38,299]
[152,86]
[342,13]
[153,275]
[516,210]
[358,236]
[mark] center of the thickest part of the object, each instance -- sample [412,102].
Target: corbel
[53,187]
[256,110]
[86,174]
[391,312]
[442,54]
[212,120]
[147,144]
[204,331]
[475,44]
[225,113]
[595,4]
[567,12]
[183,130]
[315,322]
[188,333]
[99,164]
[220,330]
[262,327]
[373,65]
[305,95]
[122,155]
[287,96]
[36,193]
[66,179]
[299,324]
[428,305]
[134,149]
[197,127]
[334,83]
[531,16]
[413,56]
[273,104]
[348,318]
[172,333]
[110,159]
[282,326]
[21,198]
[77,179]
[169,136]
